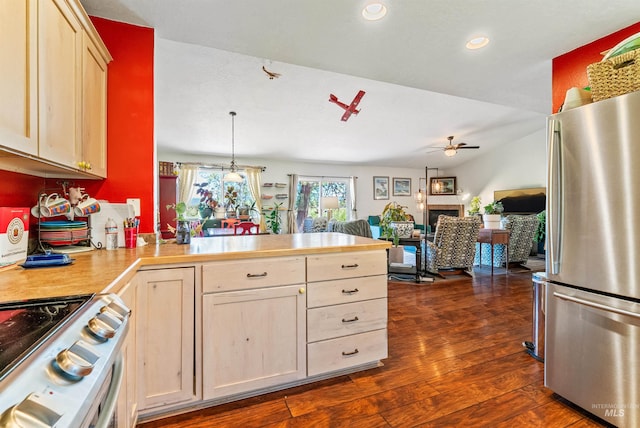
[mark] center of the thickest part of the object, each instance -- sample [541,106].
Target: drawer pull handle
[346,354]
[354,319]
[256,275]
[355,290]
[355,265]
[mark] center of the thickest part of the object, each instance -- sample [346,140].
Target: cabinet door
[59,70]
[18,86]
[126,414]
[253,339]
[164,337]
[94,109]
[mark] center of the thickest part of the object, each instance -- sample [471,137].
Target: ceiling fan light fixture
[233,176]
[374,11]
[477,42]
[450,151]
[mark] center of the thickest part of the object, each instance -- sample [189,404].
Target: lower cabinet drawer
[252,274]
[345,352]
[342,320]
[346,290]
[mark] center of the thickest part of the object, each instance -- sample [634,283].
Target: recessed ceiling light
[374,11]
[477,42]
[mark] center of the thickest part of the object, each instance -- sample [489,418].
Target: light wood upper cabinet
[53,92]
[94,109]
[18,85]
[59,59]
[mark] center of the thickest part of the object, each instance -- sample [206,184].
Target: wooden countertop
[107,271]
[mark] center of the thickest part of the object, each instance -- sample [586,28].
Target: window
[215,184]
[310,192]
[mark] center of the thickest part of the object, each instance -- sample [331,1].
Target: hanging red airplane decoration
[349,109]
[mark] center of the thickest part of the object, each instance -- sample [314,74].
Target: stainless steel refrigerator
[592,341]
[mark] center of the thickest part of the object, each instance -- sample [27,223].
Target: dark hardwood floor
[455,359]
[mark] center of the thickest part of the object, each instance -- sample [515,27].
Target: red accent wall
[130,147]
[570,69]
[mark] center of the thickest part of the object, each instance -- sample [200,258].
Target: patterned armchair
[522,229]
[454,243]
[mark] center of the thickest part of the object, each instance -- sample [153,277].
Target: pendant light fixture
[232,175]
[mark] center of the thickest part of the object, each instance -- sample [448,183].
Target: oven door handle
[107,412]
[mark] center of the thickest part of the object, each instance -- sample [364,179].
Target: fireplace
[433,211]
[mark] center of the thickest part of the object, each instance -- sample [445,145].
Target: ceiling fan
[451,149]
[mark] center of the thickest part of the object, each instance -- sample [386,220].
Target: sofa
[354,227]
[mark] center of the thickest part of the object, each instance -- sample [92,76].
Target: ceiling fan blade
[469,147]
[433,150]
[457,146]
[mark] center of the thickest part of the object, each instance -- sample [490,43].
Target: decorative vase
[403,228]
[183,232]
[220,212]
[231,213]
[396,254]
[243,213]
[491,221]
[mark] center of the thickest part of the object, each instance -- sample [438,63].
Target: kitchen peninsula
[229,317]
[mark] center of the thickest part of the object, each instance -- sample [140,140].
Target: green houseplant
[182,230]
[392,216]
[207,204]
[474,206]
[273,220]
[492,215]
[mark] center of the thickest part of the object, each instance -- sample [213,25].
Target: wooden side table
[492,237]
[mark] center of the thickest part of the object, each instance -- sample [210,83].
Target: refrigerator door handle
[596,305]
[554,198]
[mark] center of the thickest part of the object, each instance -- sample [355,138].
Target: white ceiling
[421,83]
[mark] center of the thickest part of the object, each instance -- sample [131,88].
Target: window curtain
[254,181]
[291,214]
[352,192]
[186,179]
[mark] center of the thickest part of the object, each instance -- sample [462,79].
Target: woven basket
[616,76]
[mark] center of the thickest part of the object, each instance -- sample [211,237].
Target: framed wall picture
[380,187]
[401,186]
[442,186]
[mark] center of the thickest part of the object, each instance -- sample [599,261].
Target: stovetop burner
[26,324]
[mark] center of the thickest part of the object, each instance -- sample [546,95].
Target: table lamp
[329,203]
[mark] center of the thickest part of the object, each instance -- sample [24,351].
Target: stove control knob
[77,361]
[30,413]
[104,325]
[118,310]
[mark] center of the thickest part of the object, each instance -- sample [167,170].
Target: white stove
[60,362]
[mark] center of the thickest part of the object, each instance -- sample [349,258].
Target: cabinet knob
[301,290]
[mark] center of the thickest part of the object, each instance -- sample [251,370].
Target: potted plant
[540,235]
[246,211]
[394,217]
[474,206]
[273,220]
[492,215]
[207,204]
[396,253]
[230,201]
[182,230]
